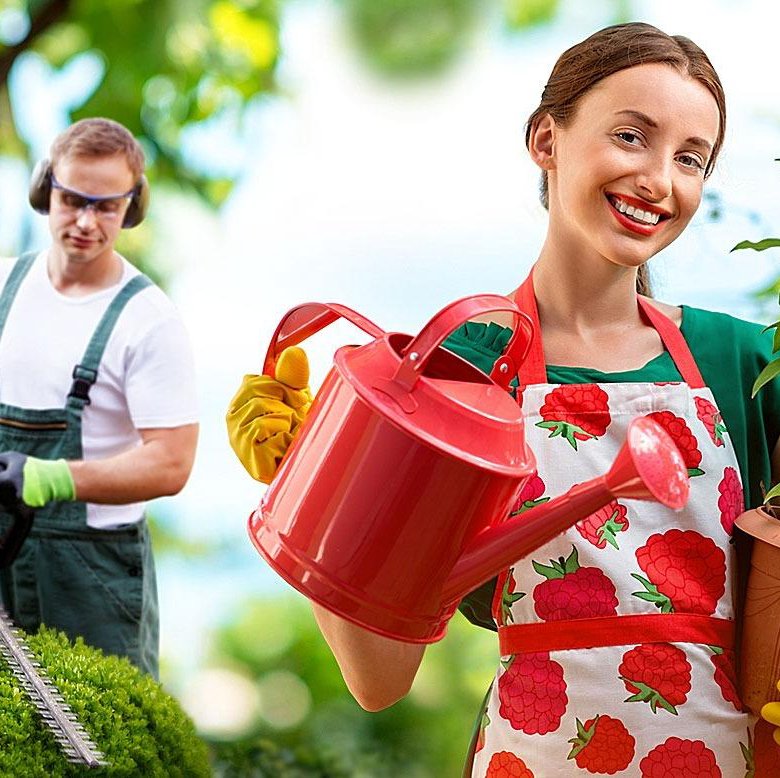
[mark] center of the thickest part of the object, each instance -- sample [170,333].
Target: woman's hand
[771,713]
[265,414]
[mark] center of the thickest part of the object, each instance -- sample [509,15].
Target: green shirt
[729,352]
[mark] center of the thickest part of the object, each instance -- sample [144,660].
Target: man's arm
[160,466]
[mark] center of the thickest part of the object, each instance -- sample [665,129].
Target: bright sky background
[396,199]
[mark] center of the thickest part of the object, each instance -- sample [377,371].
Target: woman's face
[627,173]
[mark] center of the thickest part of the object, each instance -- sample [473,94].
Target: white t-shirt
[146,378]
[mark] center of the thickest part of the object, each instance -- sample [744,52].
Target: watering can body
[390,504]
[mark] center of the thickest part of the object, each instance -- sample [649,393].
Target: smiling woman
[628,618]
[607,153]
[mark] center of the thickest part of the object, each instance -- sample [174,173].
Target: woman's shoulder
[703,317]
[715,333]
[673,312]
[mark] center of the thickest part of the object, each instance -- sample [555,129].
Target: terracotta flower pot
[760,645]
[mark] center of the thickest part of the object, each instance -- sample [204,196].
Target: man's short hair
[99,137]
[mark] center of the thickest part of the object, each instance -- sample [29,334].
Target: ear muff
[40,186]
[40,195]
[139,204]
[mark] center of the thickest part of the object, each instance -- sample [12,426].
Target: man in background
[97,402]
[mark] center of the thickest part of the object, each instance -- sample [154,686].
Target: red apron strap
[498,598]
[674,342]
[534,370]
[616,631]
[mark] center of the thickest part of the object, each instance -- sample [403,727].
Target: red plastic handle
[305,320]
[453,316]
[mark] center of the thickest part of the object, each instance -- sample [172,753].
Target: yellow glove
[265,414]
[771,713]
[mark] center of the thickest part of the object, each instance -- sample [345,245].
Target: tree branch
[49,15]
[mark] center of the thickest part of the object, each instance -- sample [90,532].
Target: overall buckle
[83,378]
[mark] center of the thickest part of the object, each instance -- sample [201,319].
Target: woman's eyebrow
[645,119]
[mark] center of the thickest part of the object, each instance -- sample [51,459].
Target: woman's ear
[541,142]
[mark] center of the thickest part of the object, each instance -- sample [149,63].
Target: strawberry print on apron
[617,637]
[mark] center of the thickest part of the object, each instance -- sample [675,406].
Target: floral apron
[617,637]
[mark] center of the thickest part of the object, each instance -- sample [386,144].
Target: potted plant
[760,644]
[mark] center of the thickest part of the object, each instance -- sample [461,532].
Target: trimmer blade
[54,711]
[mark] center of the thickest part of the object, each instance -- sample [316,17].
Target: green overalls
[99,584]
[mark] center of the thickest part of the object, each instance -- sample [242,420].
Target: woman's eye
[628,136]
[690,161]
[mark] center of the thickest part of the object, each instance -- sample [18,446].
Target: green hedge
[140,729]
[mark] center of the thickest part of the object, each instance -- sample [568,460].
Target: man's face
[87,232]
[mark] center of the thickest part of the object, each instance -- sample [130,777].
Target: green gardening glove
[265,414]
[36,482]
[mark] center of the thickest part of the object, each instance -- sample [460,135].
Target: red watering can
[391,503]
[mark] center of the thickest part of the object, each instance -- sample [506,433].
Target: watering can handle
[305,320]
[453,316]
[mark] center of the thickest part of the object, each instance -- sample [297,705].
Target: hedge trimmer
[52,708]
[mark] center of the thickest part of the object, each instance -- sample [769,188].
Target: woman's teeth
[637,214]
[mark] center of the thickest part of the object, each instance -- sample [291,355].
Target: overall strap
[85,373]
[534,370]
[16,276]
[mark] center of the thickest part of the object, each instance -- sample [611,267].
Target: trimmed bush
[140,728]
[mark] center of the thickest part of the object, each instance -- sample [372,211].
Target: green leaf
[649,695]
[572,564]
[773,326]
[553,572]
[767,243]
[773,492]
[765,376]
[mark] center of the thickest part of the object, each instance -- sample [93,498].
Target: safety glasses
[104,206]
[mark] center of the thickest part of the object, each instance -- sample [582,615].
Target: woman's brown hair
[608,51]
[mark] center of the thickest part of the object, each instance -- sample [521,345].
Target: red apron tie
[616,631]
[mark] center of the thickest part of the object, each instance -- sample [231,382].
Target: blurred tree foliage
[316,730]
[409,38]
[168,65]
[525,13]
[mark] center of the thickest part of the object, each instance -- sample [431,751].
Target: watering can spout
[648,467]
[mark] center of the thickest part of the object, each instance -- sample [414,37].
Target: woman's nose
[656,179]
